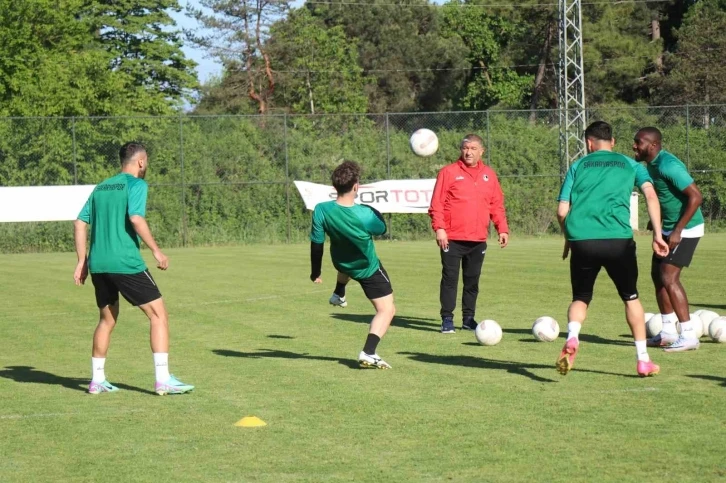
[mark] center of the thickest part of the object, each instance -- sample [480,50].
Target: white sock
[641,351]
[669,323]
[161,366]
[97,369]
[687,331]
[573,330]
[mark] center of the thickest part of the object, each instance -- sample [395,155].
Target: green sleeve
[675,172]
[137,198]
[317,233]
[641,174]
[85,214]
[566,189]
[374,221]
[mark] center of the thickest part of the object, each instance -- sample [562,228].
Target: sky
[207,67]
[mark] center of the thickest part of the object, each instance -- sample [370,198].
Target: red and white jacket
[465,200]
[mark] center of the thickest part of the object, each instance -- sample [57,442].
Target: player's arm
[660,247]
[80,235]
[137,215]
[695,198]
[679,177]
[376,225]
[436,210]
[497,211]
[317,241]
[563,207]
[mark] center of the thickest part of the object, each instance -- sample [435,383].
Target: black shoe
[468,324]
[447,325]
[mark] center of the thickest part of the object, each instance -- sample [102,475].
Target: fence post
[183,183]
[388,173]
[688,140]
[287,181]
[489,142]
[73,135]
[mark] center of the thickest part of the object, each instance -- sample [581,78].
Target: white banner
[393,196]
[42,203]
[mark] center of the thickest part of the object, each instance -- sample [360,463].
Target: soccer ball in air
[488,332]
[424,142]
[717,329]
[546,329]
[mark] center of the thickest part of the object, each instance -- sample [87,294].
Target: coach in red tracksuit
[466,197]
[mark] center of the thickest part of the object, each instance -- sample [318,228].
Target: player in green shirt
[116,211]
[351,228]
[594,214]
[680,201]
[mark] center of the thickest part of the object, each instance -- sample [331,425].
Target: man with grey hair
[466,197]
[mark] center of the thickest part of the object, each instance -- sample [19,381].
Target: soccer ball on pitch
[654,325]
[424,142]
[488,332]
[546,329]
[648,315]
[706,316]
[697,325]
[717,329]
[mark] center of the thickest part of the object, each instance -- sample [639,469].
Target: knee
[669,278]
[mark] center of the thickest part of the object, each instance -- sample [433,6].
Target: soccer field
[257,338]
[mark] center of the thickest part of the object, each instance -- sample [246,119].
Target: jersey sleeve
[375,225]
[438,198]
[566,189]
[675,172]
[137,198]
[641,174]
[317,233]
[85,214]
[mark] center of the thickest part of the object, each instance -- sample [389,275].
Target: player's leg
[141,290]
[471,264]
[671,268]
[450,263]
[379,291]
[338,297]
[584,268]
[668,333]
[108,308]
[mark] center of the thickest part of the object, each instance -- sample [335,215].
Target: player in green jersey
[351,228]
[116,211]
[594,214]
[680,201]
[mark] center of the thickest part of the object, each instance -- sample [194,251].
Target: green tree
[317,67]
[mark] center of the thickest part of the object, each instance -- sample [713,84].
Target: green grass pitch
[257,338]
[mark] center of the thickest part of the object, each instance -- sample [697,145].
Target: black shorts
[681,256]
[377,285]
[616,255]
[137,289]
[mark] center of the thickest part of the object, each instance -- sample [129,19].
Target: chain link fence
[218,180]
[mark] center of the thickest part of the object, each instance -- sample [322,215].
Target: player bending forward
[351,227]
[116,210]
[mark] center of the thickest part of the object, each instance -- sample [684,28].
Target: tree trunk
[655,36]
[541,69]
[310,93]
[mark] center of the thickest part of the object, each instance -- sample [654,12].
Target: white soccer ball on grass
[488,332]
[654,325]
[546,329]
[717,329]
[706,316]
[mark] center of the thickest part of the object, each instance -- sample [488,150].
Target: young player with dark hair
[351,228]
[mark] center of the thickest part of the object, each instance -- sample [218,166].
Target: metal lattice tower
[571,92]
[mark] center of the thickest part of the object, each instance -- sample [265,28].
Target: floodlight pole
[571,86]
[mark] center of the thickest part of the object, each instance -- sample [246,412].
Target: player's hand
[317,280]
[660,247]
[162,261]
[566,250]
[81,273]
[674,239]
[442,239]
[503,239]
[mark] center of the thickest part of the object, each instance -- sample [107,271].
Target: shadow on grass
[275,336]
[722,380]
[278,354]
[590,338]
[28,374]
[519,368]
[708,306]
[414,323]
